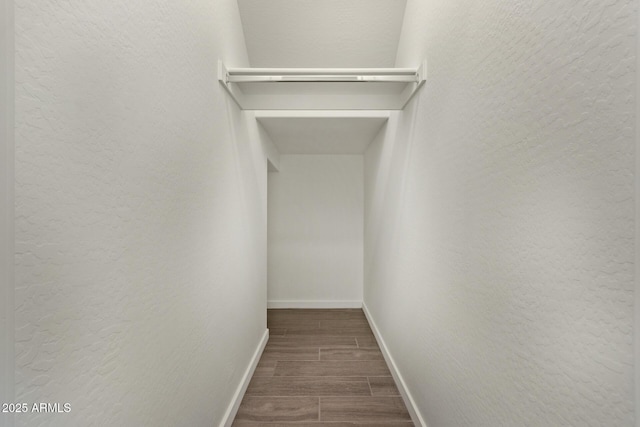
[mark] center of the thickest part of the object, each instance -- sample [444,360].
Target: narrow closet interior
[275,212]
[322,361]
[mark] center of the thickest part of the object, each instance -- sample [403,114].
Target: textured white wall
[499,238]
[6,206]
[315,231]
[140,213]
[637,247]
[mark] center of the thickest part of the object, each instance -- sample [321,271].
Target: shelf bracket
[223,78]
[421,74]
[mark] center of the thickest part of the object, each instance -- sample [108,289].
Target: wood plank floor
[321,368]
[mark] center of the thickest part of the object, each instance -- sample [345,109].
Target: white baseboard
[313,304]
[232,410]
[416,416]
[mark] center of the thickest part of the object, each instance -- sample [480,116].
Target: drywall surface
[315,231]
[6,208]
[322,33]
[499,260]
[140,214]
[322,135]
[637,248]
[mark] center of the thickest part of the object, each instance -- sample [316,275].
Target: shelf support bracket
[223,78]
[421,79]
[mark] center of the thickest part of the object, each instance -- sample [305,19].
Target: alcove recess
[322,88]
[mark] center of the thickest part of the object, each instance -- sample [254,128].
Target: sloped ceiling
[322,33]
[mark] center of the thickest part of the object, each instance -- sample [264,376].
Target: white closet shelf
[322,88]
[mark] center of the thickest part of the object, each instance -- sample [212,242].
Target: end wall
[500,214]
[140,213]
[315,232]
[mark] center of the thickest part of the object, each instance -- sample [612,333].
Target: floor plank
[290,353]
[367,341]
[261,408]
[309,386]
[343,323]
[383,386]
[345,368]
[363,409]
[353,331]
[265,368]
[312,341]
[350,354]
[315,314]
[292,323]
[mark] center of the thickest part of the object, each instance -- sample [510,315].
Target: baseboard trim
[416,416]
[313,304]
[232,410]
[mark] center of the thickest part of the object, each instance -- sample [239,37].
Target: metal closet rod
[255,75]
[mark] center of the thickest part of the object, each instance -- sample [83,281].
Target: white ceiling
[322,33]
[318,133]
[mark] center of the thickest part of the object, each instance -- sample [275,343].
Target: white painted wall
[327,33]
[140,213]
[637,218]
[499,238]
[6,208]
[315,231]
